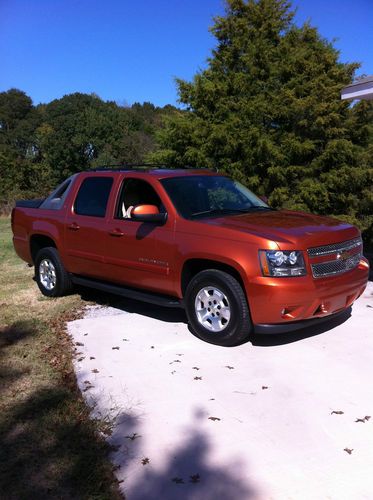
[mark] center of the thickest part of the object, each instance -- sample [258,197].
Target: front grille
[335,247]
[335,266]
[340,253]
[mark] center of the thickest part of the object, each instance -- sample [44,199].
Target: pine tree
[267,111]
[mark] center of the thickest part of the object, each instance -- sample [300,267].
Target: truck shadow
[177,315]
[168,314]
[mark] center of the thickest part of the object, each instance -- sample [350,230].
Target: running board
[152,298]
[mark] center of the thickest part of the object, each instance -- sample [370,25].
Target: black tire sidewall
[237,329]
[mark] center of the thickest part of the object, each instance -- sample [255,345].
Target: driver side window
[136,192]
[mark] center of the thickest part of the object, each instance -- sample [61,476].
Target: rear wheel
[217,309]
[52,278]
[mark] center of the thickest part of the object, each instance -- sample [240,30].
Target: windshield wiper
[227,211]
[219,211]
[259,207]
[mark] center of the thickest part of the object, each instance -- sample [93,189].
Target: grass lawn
[49,447]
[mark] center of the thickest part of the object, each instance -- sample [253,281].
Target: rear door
[85,226]
[139,254]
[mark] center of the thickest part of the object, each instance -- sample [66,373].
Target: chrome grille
[335,266]
[335,247]
[340,253]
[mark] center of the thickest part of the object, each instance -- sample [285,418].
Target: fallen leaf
[337,412]
[195,478]
[214,418]
[133,436]
[145,460]
[177,480]
[348,450]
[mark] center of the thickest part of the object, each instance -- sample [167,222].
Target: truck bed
[30,203]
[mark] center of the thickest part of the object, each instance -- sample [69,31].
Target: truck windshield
[199,196]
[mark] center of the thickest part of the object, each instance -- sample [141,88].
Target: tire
[52,278]
[217,309]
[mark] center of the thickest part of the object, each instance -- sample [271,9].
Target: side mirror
[148,213]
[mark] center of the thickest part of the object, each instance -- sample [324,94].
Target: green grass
[49,447]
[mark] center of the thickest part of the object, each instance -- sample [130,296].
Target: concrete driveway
[281,417]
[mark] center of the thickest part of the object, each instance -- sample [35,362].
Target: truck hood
[300,230]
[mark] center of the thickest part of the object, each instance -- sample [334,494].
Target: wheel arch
[39,241]
[193,266]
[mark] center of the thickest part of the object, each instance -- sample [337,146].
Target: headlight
[282,263]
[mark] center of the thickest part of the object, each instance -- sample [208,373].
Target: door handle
[74,226]
[116,232]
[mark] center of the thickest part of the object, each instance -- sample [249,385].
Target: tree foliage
[41,145]
[267,110]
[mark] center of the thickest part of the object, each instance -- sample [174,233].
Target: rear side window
[93,196]
[57,198]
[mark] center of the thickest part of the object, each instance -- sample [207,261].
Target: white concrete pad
[273,419]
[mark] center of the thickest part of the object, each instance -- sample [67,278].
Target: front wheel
[52,278]
[217,309]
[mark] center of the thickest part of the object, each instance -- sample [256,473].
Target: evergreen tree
[267,110]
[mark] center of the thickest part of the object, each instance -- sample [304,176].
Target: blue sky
[131,51]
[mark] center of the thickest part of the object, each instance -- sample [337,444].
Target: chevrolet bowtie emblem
[343,255]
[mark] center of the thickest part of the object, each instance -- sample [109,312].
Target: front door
[138,254]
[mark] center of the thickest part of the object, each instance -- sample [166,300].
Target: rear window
[93,196]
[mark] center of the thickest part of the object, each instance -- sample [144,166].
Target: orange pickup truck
[195,239]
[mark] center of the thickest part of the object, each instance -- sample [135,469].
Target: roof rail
[127,166]
[143,166]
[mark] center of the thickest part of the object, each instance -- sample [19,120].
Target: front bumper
[285,302]
[291,326]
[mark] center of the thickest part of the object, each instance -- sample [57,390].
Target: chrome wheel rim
[212,309]
[47,274]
